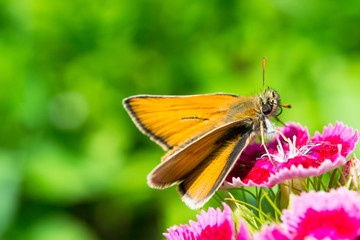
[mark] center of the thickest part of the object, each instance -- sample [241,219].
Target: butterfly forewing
[173,120]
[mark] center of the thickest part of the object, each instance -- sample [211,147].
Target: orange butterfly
[203,134]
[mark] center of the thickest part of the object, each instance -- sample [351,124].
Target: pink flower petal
[212,225]
[320,215]
[215,224]
[184,232]
[338,134]
[303,157]
[272,232]
[243,231]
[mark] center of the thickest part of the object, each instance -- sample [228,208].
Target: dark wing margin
[138,123]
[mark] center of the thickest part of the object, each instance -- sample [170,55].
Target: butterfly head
[270,103]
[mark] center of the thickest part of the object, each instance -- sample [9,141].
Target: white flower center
[293,151]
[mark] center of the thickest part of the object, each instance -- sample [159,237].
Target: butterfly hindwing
[199,186]
[202,166]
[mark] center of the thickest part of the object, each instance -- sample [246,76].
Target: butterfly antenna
[264,65]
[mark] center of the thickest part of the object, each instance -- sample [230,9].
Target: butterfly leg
[262,133]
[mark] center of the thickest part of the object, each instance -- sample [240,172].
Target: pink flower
[323,215]
[211,225]
[318,215]
[299,155]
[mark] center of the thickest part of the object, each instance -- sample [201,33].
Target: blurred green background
[72,164]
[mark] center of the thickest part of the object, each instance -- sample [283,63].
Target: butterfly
[203,134]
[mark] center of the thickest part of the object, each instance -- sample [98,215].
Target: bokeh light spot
[68,110]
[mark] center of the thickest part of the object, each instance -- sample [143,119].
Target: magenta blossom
[323,215]
[211,225]
[298,155]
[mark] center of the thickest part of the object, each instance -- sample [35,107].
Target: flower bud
[351,173]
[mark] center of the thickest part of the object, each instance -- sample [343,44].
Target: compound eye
[266,108]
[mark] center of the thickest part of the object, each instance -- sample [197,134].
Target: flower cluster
[313,215]
[326,214]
